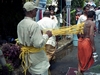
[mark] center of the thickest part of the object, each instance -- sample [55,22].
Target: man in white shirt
[98,18]
[83,17]
[30,37]
[53,17]
[52,13]
[46,23]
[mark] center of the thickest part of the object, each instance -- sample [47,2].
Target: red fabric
[40,14]
[77,17]
[85,54]
[95,29]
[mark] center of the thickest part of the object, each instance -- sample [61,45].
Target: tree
[77,3]
[97,2]
[74,5]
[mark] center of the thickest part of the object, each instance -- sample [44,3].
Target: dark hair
[84,8]
[51,7]
[46,13]
[93,12]
[90,14]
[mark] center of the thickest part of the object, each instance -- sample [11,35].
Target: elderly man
[30,37]
[46,23]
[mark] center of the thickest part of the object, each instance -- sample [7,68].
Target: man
[53,17]
[83,17]
[30,37]
[46,23]
[86,45]
[98,18]
[52,13]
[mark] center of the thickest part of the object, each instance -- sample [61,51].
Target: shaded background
[10,14]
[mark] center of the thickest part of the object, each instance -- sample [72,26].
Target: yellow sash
[27,50]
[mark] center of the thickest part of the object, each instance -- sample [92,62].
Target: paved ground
[67,57]
[61,44]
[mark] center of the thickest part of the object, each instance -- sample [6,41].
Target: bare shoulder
[91,23]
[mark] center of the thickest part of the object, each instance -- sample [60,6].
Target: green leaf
[10,67]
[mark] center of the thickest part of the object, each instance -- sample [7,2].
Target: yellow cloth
[27,50]
[73,29]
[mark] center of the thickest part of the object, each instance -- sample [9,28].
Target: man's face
[52,12]
[87,9]
[34,12]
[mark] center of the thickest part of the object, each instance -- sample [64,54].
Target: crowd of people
[81,15]
[33,39]
[86,44]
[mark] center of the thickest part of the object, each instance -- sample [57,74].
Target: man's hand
[49,33]
[94,49]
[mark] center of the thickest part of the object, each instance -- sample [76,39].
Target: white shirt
[97,12]
[54,19]
[47,23]
[81,19]
[29,34]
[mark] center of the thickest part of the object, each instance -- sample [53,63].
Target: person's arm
[92,35]
[79,20]
[37,39]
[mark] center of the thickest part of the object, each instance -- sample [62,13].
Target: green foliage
[74,5]
[49,1]
[73,11]
[73,21]
[97,2]
[7,69]
[77,3]
[10,67]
